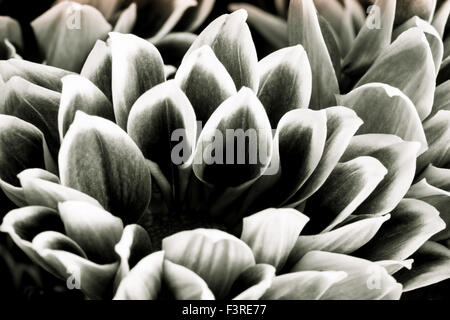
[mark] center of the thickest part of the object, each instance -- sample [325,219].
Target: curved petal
[414,73]
[39,74]
[95,230]
[79,93]
[235,145]
[143,282]
[441,99]
[205,81]
[101,160]
[431,265]
[304,29]
[371,41]
[407,9]
[253,282]
[399,158]
[11,30]
[365,279]
[133,246]
[304,285]
[93,279]
[385,109]
[285,82]
[342,123]
[271,234]
[441,17]
[69,25]
[21,147]
[345,239]
[437,131]
[412,223]
[158,120]
[127,19]
[271,27]
[438,198]
[393,266]
[97,68]
[217,257]
[433,37]
[34,104]
[348,185]
[195,16]
[137,66]
[437,177]
[230,39]
[184,284]
[41,192]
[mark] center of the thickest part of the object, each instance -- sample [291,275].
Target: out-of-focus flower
[348,169]
[66,33]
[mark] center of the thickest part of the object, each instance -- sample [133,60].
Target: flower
[348,169]
[70,25]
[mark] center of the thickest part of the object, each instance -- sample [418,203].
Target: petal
[271,234]
[441,98]
[305,285]
[233,164]
[371,41]
[144,280]
[406,9]
[304,29]
[431,265]
[95,230]
[285,82]
[217,257]
[97,68]
[345,239]
[385,109]
[271,27]
[133,246]
[17,194]
[399,159]
[441,17]
[412,223]
[298,147]
[169,112]
[342,123]
[79,93]
[348,185]
[365,280]
[196,15]
[39,74]
[69,25]
[205,81]
[137,66]
[157,18]
[414,72]
[253,282]
[34,104]
[184,284]
[127,19]
[11,30]
[230,39]
[40,192]
[438,198]
[437,131]
[433,38]
[174,46]
[101,160]
[178,9]
[437,177]
[20,148]
[393,266]
[95,280]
